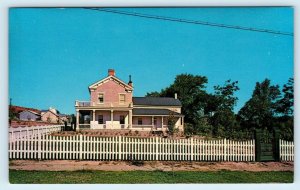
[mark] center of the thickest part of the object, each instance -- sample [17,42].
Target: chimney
[175,95]
[111,72]
[130,82]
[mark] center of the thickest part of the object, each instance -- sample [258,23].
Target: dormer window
[101,98]
[122,98]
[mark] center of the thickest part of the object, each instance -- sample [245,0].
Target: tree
[225,95]
[171,124]
[13,114]
[203,127]
[191,92]
[153,94]
[224,120]
[259,111]
[285,111]
[286,103]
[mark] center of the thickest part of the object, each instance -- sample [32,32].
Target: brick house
[112,106]
[52,115]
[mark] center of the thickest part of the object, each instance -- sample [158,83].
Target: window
[101,98]
[122,119]
[155,121]
[100,119]
[122,98]
[140,121]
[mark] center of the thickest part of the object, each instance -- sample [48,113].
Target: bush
[137,162]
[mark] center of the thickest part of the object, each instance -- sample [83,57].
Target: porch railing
[123,126]
[103,126]
[105,104]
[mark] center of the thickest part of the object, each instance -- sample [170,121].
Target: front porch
[103,119]
[124,119]
[155,123]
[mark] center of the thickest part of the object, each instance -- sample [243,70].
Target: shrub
[137,162]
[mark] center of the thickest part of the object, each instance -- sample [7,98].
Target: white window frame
[101,93]
[122,103]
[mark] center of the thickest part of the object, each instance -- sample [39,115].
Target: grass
[146,177]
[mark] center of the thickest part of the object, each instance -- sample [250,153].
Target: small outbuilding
[28,115]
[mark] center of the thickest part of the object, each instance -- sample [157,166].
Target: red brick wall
[111,92]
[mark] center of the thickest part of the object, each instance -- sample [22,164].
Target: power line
[236,27]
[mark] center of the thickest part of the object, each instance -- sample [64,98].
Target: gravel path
[72,165]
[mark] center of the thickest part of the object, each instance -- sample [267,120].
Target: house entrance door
[155,123]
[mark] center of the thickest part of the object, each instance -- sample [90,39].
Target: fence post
[119,148]
[276,144]
[225,150]
[80,147]
[156,148]
[11,145]
[192,148]
[257,145]
[12,136]
[39,146]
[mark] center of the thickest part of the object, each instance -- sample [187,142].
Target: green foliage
[203,127]
[285,125]
[146,177]
[171,124]
[259,111]
[224,120]
[286,103]
[224,95]
[153,94]
[12,113]
[191,93]
[189,129]
[212,115]
[267,109]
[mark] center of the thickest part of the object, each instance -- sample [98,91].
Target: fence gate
[267,146]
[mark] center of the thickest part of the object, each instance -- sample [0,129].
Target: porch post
[77,120]
[162,122]
[111,117]
[93,121]
[152,122]
[130,119]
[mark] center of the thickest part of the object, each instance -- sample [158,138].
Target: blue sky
[55,54]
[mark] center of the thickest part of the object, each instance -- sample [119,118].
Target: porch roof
[145,111]
[156,101]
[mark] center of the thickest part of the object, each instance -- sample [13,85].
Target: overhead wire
[236,27]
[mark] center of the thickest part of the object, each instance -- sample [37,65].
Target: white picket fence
[31,132]
[129,148]
[286,150]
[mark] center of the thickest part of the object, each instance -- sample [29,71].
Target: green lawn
[129,177]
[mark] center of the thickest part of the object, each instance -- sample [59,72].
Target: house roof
[34,112]
[62,115]
[52,113]
[114,78]
[20,109]
[30,111]
[145,111]
[156,101]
